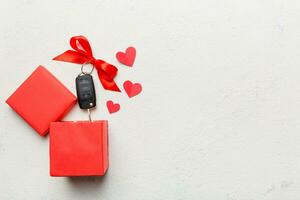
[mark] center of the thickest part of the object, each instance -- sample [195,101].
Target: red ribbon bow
[83,54]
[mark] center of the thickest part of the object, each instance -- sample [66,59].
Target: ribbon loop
[81,45]
[83,53]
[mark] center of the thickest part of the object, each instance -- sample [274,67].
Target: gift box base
[78,148]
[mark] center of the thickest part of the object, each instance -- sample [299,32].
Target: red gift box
[78,148]
[41,99]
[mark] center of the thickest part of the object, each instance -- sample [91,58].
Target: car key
[85,91]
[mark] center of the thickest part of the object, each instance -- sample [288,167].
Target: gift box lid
[79,148]
[41,99]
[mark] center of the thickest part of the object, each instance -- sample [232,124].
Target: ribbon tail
[108,84]
[72,57]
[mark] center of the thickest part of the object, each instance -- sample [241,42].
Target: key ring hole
[87,64]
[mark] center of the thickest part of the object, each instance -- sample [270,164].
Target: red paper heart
[112,107]
[132,89]
[128,57]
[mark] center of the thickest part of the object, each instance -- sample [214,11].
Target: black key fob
[85,91]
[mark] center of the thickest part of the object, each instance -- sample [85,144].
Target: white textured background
[219,117]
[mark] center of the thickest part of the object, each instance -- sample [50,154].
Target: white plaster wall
[219,117]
